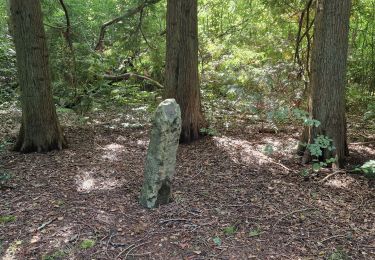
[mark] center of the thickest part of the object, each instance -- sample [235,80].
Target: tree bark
[40,129]
[182,80]
[328,75]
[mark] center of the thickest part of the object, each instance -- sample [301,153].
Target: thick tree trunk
[182,81]
[328,75]
[40,129]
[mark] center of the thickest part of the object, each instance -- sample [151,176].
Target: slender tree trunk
[182,81]
[328,75]
[40,129]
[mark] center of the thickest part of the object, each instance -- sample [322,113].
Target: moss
[7,219]
[87,243]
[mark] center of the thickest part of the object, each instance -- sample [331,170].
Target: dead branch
[68,37]
[129,13]
[45,224]
[128,75]
[174,220]
[134,247]
[363,143]
[68,26]
[330,175]
[304,18]
[332,237]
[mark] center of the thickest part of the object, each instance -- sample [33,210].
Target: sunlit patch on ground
[364,149]
[285,146]
[87,183]
[112,151]
[104,217]
[143,143]
[14,247]
[241,151]
[341,183]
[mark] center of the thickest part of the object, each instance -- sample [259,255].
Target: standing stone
[161,155]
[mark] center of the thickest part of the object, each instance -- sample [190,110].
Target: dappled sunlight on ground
[143,143]
[341,183]
[105,217]
[242,188]
[286,146]
[113,151]
[255,154]
[86,182]
[364,149]
[12,250]
[241,151]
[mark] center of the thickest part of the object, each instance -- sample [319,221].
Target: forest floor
[231,199]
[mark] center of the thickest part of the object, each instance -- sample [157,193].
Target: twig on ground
[282,165]
[291,213]
[330,175]
[163,221]
[140,255]
[362,143]
[332,237]
[123,251]
[134,247]
[45,224]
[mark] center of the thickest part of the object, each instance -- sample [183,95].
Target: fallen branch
[45,224]
[362,143]
[330,175]
[128,13]
[134,247]
[332,237]
[123,251]
[127,76]
[174,220]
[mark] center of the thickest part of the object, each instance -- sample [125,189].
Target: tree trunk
[182,81]
[328,75]
[40,129]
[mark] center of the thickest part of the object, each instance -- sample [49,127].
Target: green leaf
[87,243]
[316,167]
[369,169]
[217,241]
[7,219]
[255,232]
[229,230]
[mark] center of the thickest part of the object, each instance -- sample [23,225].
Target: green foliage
[321,142]
[4,178]
[208,131]
[304,117]
[305,173]
[7,219]
[87,244]
[255,232]
[217,241]
[338,255]
[231,230]
[268,149]
[368,169]
[246,56]
[3,145]
[59,254]
[370,112]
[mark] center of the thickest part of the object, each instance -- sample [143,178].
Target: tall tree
[328,75]
[40,129]
[182,81]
